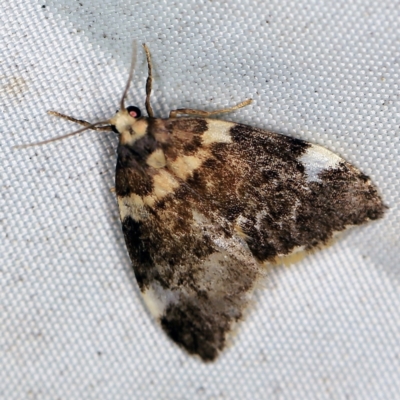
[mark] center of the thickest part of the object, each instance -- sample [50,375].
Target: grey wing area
[196,283]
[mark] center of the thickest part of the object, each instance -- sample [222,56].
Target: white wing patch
[317,159]
[217,132]
[157,299]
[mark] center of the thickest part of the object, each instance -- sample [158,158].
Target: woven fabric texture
[72,322]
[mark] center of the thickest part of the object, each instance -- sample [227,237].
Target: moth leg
[149,82]
[80,121]
[190,111]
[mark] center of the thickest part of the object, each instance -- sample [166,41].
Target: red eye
[133,111]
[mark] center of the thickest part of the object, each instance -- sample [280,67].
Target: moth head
[129,124]
[124,118]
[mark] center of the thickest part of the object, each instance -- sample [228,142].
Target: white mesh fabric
[72,323]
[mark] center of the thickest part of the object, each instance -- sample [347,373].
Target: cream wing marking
[157,299]
[217,132]
[317,159]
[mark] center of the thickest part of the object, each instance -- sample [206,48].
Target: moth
[206,205]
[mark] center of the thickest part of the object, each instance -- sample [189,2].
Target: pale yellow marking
[122,121]
[131,206]
[163,185]
[217,132]
[199,218]
[184,166]
[156,159]
[140,127]
[154,304]
[299,252]
[296,256]
[134,205]
[130,129]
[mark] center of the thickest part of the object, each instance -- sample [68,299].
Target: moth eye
[133,111]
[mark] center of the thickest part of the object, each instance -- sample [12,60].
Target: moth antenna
[24,146]
[128,83]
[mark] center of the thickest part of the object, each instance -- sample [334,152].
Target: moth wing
[199,303]
[281,193]
[230,198]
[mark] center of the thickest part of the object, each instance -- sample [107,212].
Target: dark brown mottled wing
[214,201]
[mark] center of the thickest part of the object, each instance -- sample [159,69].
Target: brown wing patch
[185,136]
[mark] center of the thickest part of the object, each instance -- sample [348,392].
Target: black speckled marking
[137,245]
[198,333]
[132,171]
